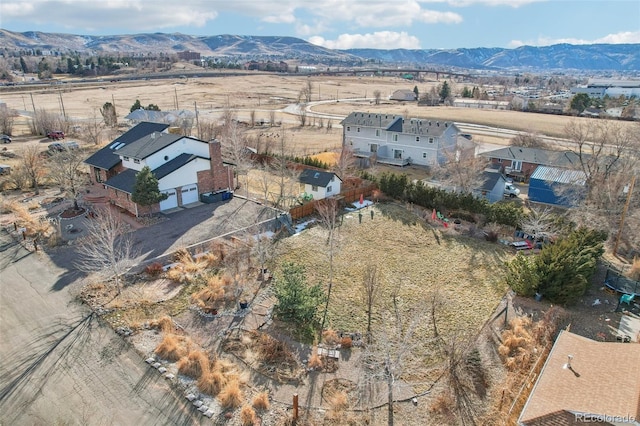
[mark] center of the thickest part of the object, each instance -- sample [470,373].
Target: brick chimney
[221,176]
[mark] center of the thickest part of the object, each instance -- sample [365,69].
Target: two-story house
[184,166]
[392,139]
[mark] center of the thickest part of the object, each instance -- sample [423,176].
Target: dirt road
[60,365]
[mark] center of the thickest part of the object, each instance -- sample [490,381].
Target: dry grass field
[412,257]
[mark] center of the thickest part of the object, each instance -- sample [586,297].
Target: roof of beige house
[602,378]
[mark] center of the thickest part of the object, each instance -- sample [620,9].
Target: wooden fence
[348,196]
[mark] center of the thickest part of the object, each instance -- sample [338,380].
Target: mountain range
[600,57]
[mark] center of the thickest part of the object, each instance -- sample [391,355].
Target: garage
[189,194]
[171,201]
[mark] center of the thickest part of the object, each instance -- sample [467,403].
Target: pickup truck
[55,134]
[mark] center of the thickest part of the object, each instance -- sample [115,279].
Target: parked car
[5,138]
[510,190]
[63,146]
[55,134]
[4,169]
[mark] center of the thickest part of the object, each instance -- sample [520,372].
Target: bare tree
[306,91]
[185,124]
[328,211]
[264,180]
[393,347]
[461,171]
[67,171]
[528,140]
[208,130]
[263,250]
[540,223]
[6,120]
[370,289]
[346,162]
[109,114]
[235,150]
[302,116]
[272,118]
[252,118]
[376,96]
[34,165]
[464,377]
[107,250]
[44,121]
[92,130]
[286,177]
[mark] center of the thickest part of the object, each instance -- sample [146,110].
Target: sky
[344,24]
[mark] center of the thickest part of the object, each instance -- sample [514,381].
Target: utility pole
[64,114]
[195,105]
[624,213]
[175,91]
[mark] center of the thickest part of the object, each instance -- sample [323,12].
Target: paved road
[60,365]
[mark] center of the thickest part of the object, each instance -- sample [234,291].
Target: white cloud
[617,38]
[465,3]
[377,40]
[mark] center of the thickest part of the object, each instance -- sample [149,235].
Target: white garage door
[170,202]
[189,194]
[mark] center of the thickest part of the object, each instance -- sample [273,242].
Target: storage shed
[551,185]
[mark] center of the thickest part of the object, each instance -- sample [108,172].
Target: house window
[431,140]
[135,160]
[126,158]
[350,142]
[395,138]
[374,147]
[358,130]
[417,138]
[328,189]
[314,188]
[397,154]
[348,129]
[166,157]
[516,166]
[424,155]
[377,132]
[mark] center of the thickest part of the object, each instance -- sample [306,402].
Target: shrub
[634,272]
[172,347]
[330,337]
[211,382]
[194,364]
[346,342]
[261,401]
[164,324]
[247,415]
[314,360]
[339,401]
[231,395]
[272,350]
[154,269]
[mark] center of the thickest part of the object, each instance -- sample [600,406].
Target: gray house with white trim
[392,139]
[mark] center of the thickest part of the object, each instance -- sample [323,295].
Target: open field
[413,257]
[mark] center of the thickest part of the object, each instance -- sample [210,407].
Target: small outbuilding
[551,185]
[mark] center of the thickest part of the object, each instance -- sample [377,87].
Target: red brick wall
[220,177]
[123,200]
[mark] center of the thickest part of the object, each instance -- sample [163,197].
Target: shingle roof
[490,179]
[105,158]
[173,165]
[540,156]
[603,380]
[124,181]
[147,145]
[316,177]
[396,123]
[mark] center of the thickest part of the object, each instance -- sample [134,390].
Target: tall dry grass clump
[173,347]
[164,324]
[248,415]
[338,404]
[517,344]
[272,350]
[213,293]
[231,395]
[261,401]
[330,337]
[634,272]
[314,360]
[211,382]
[194,364]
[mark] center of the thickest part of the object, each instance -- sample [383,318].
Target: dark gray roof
[316,177]
[540,156]
[124,181]
[147,145]
[105,159]
[173,165]
[490,179]
[397,123]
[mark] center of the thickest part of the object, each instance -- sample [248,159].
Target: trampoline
[621,284]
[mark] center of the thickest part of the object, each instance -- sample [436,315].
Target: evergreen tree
[136,106]
[580,102]
[145,190]
[416,91]
[109,116]
[23,65]
[297,301]
[466,93]
[445,91]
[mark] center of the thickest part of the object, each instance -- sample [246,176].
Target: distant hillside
[614,57]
